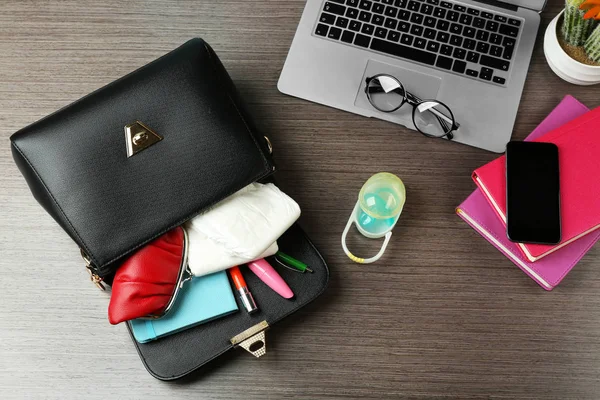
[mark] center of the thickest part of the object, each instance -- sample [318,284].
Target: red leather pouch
[147,283]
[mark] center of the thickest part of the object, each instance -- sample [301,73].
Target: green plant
[592,45]
[575,29]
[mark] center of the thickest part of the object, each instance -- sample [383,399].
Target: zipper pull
[94,277]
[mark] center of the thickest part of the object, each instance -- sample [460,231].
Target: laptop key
[381,32]
[406,39]
[482,35]
[469,44]
[420,43]
[404,15]
[514,22]
[500,18]
[472,72]
[434,2]
[509,30]
[465,19]
[508,53]
[334,8]
[443,25]
[401,3]
[365,5]
[495,38]
[321,30]
[327,18]
[446,4]
[496,51]
[427,9]
[456,29]
[459,53]
[442,37]
[378,8]
[353,3]
[460,8]
[377,20]
[429,33]
[416,18]
[491,26]
[452,16]
[352,13]
[499,80]
[416,30]
[459,66]
[391,23]
[487,15]
[401,51]
[495,63]
[334,33]
[456,40]
[478,22]
[348,37]
[355,26]
[413,5]
[394,36]
[443,62]
[390,2]
[508,42]
[486,74]
[472,11]
[469,32]
[404,27]
[367,29]
[391,11]
[483,47]
[364,16]
[439,12]
[446,50]
[342,22]
[429,22]
[472,57]
[433,46]
[362,40]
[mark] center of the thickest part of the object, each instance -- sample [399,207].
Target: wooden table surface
[442,315]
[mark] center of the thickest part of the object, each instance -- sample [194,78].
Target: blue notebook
[202,299]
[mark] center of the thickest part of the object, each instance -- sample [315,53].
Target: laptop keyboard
[452,37]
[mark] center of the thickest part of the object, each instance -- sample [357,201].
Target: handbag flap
[77,165]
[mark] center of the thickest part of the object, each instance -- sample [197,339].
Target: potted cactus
[572,42]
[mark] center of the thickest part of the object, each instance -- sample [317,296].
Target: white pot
[562,64]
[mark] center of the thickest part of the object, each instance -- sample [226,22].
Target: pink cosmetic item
[268,275]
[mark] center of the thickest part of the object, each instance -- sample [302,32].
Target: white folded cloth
[242,228]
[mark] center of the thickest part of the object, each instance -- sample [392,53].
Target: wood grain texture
[443,315]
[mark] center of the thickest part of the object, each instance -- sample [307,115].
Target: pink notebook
[477,212]
[578,153]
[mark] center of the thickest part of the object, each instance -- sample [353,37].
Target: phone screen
[532,193]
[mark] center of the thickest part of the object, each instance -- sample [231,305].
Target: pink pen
[268,275]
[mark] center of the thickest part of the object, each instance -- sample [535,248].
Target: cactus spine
[575,29]
[592,45]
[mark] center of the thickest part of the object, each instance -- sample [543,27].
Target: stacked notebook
[575,130]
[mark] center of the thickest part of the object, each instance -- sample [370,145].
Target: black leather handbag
[142,155]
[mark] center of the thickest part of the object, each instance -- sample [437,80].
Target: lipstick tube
[243,291]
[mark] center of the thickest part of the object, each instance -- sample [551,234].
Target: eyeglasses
[431,117]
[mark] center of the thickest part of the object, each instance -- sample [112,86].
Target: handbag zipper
[94,277]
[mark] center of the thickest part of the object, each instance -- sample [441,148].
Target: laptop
[472,56]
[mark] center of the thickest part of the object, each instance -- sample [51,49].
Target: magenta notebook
[476,211]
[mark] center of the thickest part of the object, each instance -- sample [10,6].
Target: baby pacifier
[376,212]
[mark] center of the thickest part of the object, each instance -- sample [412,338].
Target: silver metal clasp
[139,137]
[253,339]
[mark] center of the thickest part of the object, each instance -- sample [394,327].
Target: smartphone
[532,193]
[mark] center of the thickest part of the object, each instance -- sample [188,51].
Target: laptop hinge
[499,4]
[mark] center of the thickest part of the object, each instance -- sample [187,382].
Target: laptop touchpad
[420,84]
